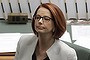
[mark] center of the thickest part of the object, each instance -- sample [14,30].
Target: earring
[53,30]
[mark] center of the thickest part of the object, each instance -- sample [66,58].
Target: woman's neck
[45,41]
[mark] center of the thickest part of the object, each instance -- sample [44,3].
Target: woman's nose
[41,20]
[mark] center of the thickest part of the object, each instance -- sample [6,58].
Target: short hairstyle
[58,19]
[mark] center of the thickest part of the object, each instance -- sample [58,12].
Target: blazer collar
[53,51]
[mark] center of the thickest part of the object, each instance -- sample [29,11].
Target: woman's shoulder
[69,51]
[65,48]
[29,36]
[25,39]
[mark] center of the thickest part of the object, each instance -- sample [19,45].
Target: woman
[48,25]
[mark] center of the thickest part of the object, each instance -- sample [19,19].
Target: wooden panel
[6,57]
[7,53]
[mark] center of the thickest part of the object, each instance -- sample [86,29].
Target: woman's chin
[41,31]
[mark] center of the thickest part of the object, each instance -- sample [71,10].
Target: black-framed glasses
[44,18]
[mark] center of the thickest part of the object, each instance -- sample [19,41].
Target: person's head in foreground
[49,19]
[48,25]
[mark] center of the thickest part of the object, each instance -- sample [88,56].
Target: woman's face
[43,21]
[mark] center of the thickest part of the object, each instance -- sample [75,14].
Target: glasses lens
[46,18]
[37,17]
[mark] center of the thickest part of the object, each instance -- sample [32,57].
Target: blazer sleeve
[72,55]
[17,51]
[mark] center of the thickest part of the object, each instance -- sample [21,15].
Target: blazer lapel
[31,49]
[53,51]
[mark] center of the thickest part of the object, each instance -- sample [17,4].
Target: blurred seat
[82,53]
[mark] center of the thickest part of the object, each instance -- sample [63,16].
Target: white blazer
[58,51]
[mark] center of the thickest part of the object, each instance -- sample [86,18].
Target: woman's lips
[39,27]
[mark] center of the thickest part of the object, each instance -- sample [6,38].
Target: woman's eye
[46,18]
[37,17]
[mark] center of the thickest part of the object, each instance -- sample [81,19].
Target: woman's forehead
[43,10]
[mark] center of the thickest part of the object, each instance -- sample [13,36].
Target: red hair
[58,19]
